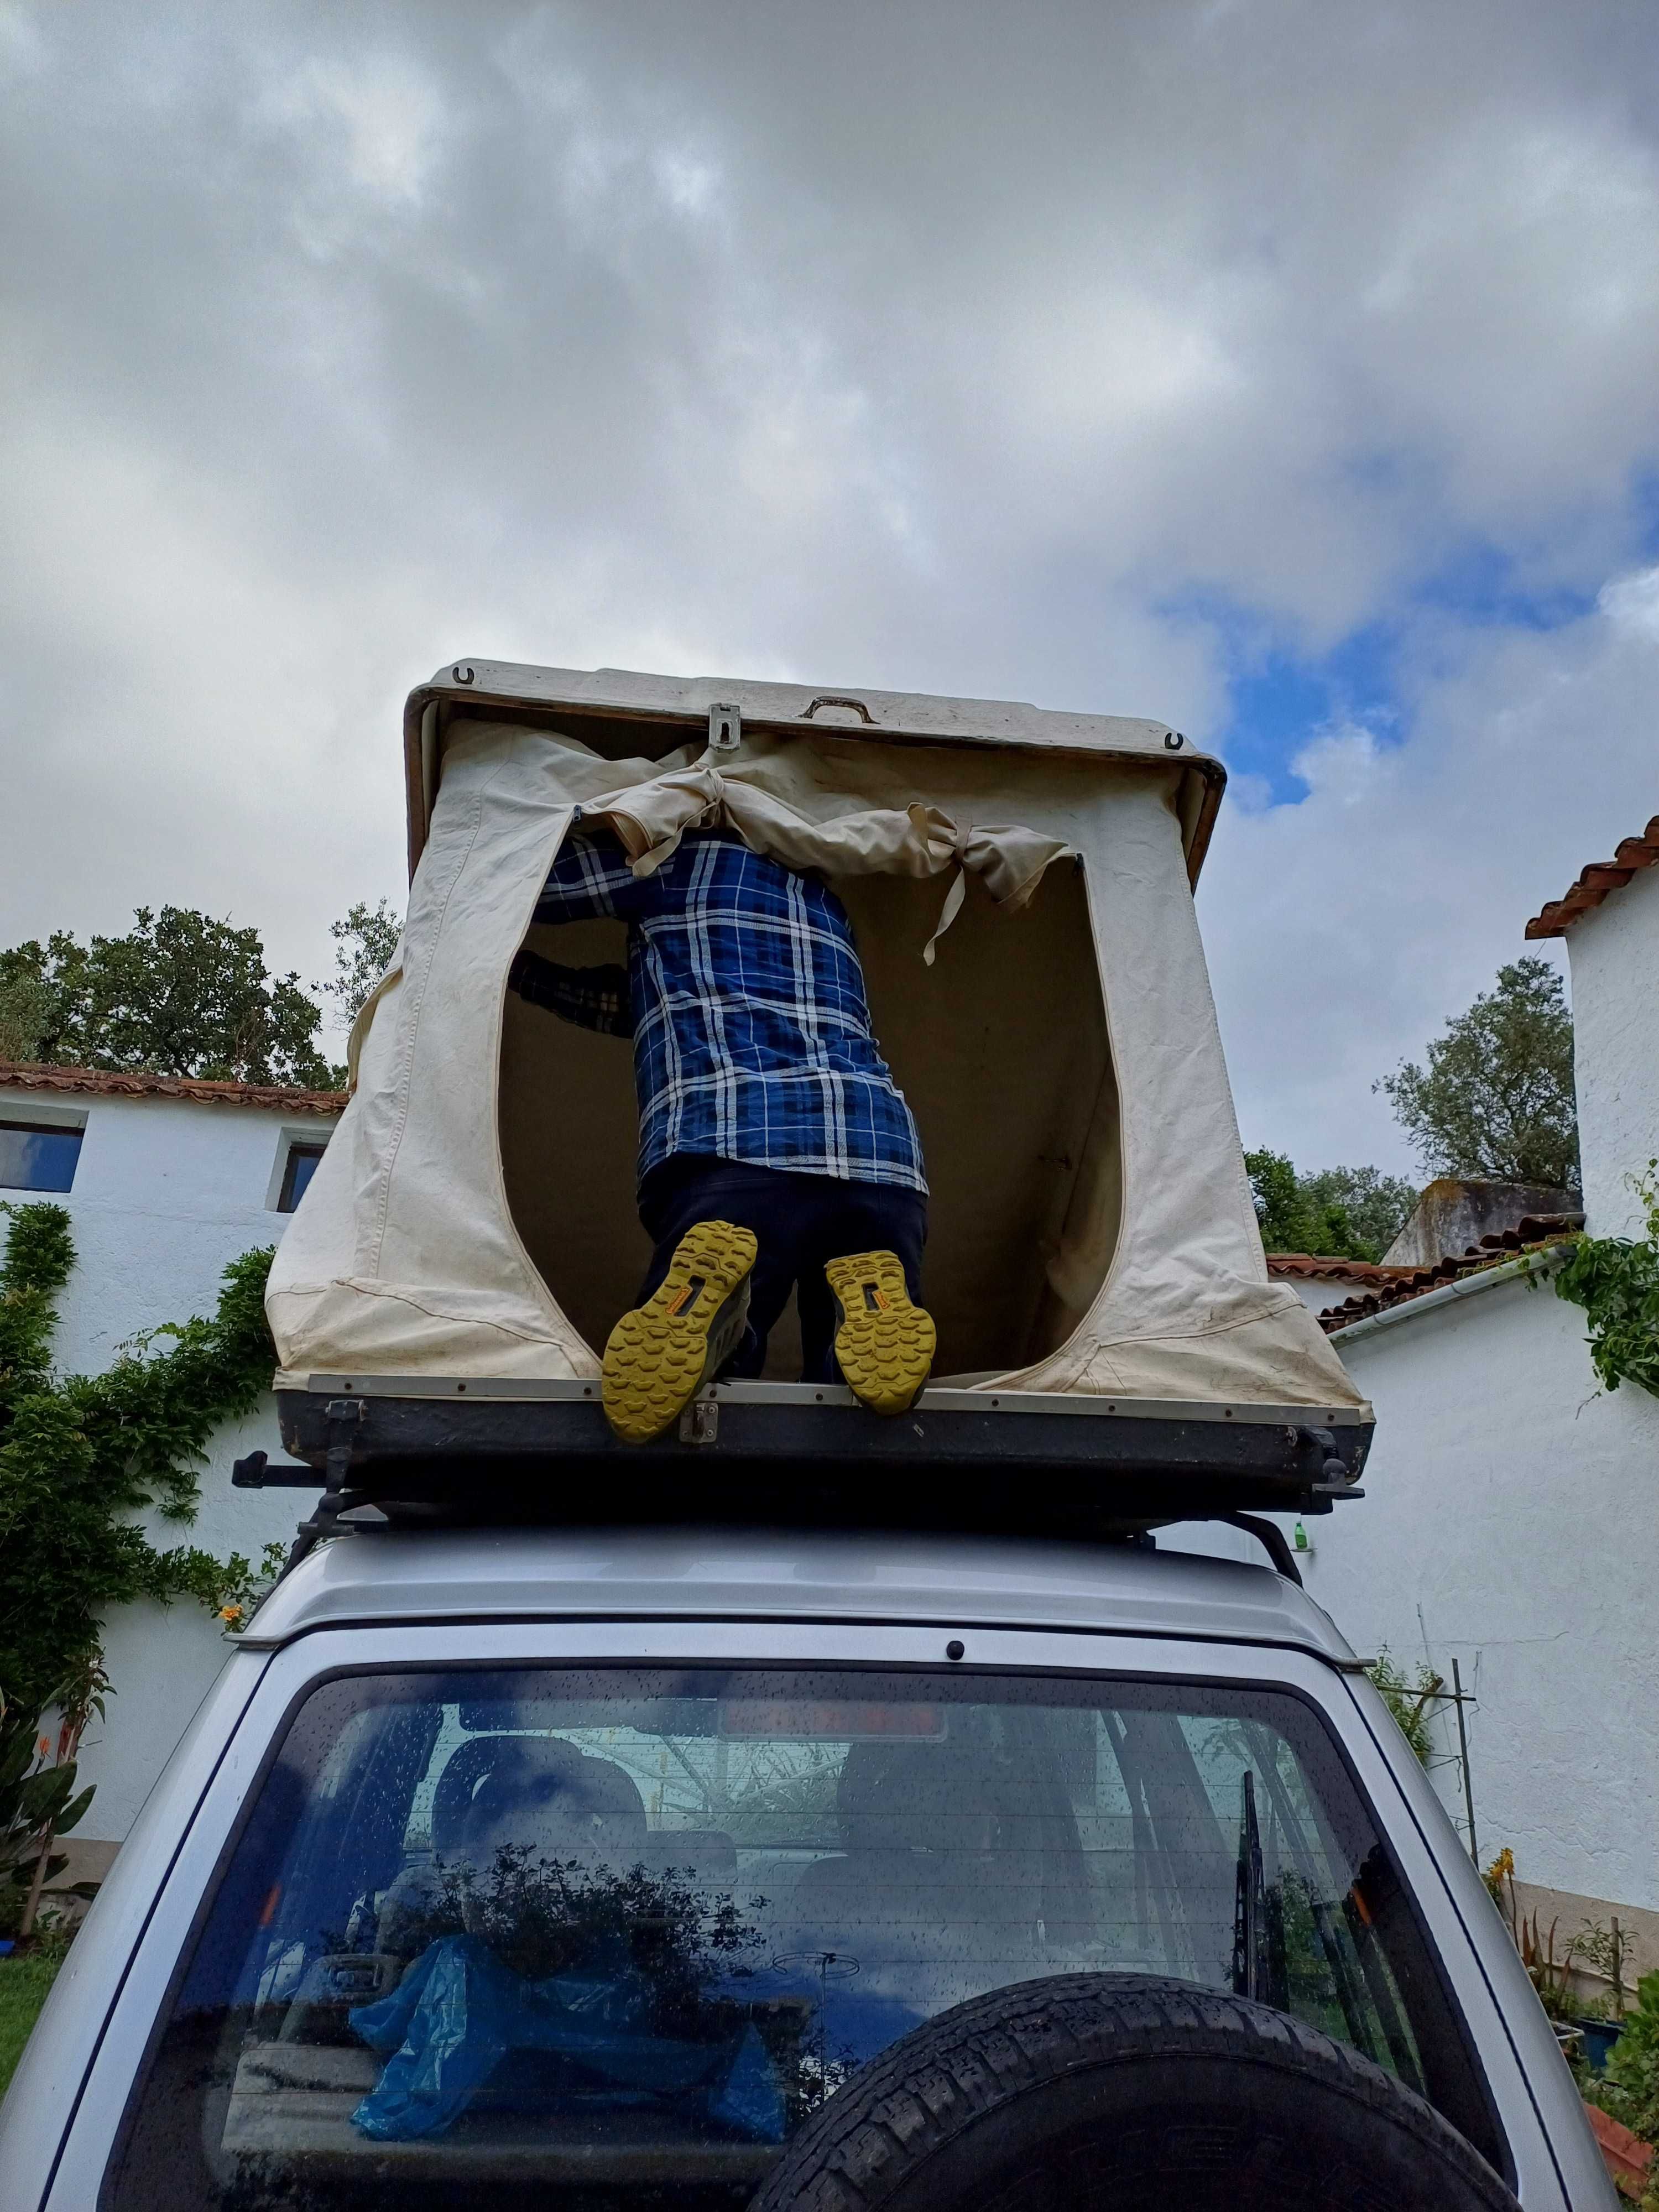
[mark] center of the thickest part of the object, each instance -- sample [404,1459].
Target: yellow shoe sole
[660,1354]
[885,1344]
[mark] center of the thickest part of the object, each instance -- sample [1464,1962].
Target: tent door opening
[1001,1048]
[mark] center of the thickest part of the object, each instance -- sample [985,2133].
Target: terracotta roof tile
[1596,881]
[1535,1231]
[18,1075]
[1314,1267]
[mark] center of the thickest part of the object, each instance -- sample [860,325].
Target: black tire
[1131,2094]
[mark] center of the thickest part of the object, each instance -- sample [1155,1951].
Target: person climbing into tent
[776,1152]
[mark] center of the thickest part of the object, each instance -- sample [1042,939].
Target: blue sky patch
[1278,699]
[1481,586]
[1644,505]
[1279,702]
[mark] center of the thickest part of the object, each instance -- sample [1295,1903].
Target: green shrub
[80,1457]
[1616,1280]
[1408,1701]
[1629,2086]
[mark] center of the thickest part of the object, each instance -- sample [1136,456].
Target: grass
[23,1984]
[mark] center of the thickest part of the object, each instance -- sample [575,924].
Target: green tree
[363,945]
[25,1004]
[181,994]
[1348,1214]
[1374,1207]
[35,991]
[1495,1097]
[1279,1210]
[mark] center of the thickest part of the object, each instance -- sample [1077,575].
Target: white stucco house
[166,1181]
[1511,1515]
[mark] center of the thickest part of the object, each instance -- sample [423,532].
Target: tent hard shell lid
[1019,882]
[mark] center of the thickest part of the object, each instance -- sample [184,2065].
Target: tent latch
[700,1424]
[725,729]
[1331,1468]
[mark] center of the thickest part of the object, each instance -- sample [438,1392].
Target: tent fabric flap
[405,1257]
[760,799]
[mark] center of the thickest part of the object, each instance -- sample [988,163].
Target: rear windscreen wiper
[1252,1973]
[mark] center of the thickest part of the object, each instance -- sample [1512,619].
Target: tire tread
[989,2049]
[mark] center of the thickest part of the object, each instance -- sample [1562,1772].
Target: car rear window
[615,1933]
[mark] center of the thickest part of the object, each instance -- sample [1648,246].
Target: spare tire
[1132,2093]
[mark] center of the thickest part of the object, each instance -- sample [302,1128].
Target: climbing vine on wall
[80,1456]
[1616,1280]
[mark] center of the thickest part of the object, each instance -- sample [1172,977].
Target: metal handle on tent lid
[835,698]
[725,729]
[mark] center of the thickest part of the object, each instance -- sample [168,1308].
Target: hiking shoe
[885,1344]
[660,1355]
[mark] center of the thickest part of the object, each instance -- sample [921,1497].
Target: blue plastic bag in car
[459,2012]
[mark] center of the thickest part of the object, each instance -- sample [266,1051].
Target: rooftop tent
[1020,885]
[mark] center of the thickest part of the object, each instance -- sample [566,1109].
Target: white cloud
[953,345]
[1343,931]
[378,119]
[20,44]
[1632,604]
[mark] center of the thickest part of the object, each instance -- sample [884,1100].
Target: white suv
[639,1868]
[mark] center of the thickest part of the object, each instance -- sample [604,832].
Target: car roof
[380,1576]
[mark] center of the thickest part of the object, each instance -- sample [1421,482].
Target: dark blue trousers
[800,1221]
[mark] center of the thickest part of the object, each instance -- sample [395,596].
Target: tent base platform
[482,1451]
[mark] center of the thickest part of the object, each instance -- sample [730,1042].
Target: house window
[297,1171]
[38,1155]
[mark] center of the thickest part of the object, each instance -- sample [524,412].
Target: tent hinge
[725,729]
[344,1414]
[700,1424]
[1331,1467]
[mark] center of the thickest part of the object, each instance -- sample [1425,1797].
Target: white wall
[1613,951]
[167,1192]
[1512,1514]
[1512,1518]
[162,1660]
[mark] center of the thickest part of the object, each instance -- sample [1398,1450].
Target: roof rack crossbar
[367,1504]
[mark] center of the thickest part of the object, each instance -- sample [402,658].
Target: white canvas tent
[1091,1228]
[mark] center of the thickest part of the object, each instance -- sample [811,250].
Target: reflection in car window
[621,1931]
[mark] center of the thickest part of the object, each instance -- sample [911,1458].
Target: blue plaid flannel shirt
[746,1000]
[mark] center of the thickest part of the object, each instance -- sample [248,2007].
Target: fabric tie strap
[921,840]
[958,889]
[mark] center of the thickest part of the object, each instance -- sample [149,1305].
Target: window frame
[37,1121]
[293,1145]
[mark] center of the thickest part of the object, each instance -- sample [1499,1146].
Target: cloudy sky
[1283,370]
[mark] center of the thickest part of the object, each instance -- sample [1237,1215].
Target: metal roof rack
[411,1452]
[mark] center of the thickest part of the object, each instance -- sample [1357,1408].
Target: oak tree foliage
[1348,1214]
[1494,1096]
[185,994]
[181,994]
[364,942]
